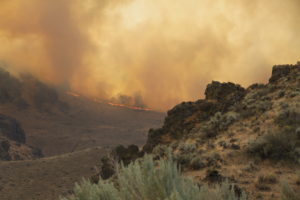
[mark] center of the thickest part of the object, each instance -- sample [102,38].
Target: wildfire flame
[111,103]
[73,94]
[130,107]
[123,105]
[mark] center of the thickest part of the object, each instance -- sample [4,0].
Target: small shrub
[267,179]
[187,148]
[287,193]
[160,151]
[184,160]
[288,117]
[198,163]
[262,187]
[219,122]
[145,181]
[283,145]
[255,102]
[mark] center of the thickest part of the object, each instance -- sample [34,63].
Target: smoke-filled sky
[164,51]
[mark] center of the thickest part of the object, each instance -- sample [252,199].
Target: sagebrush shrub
[289,117]
[282,145]
[187,148]
[287,193]
[150,180]
[219,122]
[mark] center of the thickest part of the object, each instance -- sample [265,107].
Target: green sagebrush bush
[282,145]
[150,180]
[287,193]
[219,122]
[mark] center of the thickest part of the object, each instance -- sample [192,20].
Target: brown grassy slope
[86,124]
[57,122]
[47,178]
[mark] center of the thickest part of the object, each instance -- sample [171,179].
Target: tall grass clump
[151,180]
[287,193]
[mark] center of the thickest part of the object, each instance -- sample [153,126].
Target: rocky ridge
[250,137]
[247,136]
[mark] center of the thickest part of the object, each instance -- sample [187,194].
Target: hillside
[13,144]
[248,136]
[57,121]
[46,178]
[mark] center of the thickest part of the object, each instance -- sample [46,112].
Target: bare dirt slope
[47,178]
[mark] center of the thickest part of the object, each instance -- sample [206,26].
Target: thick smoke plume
[164,50]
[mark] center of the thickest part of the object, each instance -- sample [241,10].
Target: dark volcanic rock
[281,71]
[230,101]
[11,129]
[224,92]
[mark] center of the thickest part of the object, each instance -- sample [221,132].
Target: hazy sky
[164,50]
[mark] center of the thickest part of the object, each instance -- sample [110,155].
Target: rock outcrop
[282,71]
[224,91]
[222,104]
[235,132]
[13,141]
[182,118]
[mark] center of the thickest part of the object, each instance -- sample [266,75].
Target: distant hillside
[58,122]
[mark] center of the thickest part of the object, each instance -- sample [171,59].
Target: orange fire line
[130,107]
[112,104]
[73,94]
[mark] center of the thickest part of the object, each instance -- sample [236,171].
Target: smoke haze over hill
[163,52]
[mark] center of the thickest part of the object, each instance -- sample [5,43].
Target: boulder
[224,91]
[280,71]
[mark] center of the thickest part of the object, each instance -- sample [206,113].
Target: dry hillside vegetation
[246,137]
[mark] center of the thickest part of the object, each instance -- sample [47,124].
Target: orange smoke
[166,51]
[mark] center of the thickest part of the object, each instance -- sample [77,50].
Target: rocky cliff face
[227,100]
[238,134]
[12,141]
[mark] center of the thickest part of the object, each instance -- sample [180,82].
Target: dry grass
[48,178]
